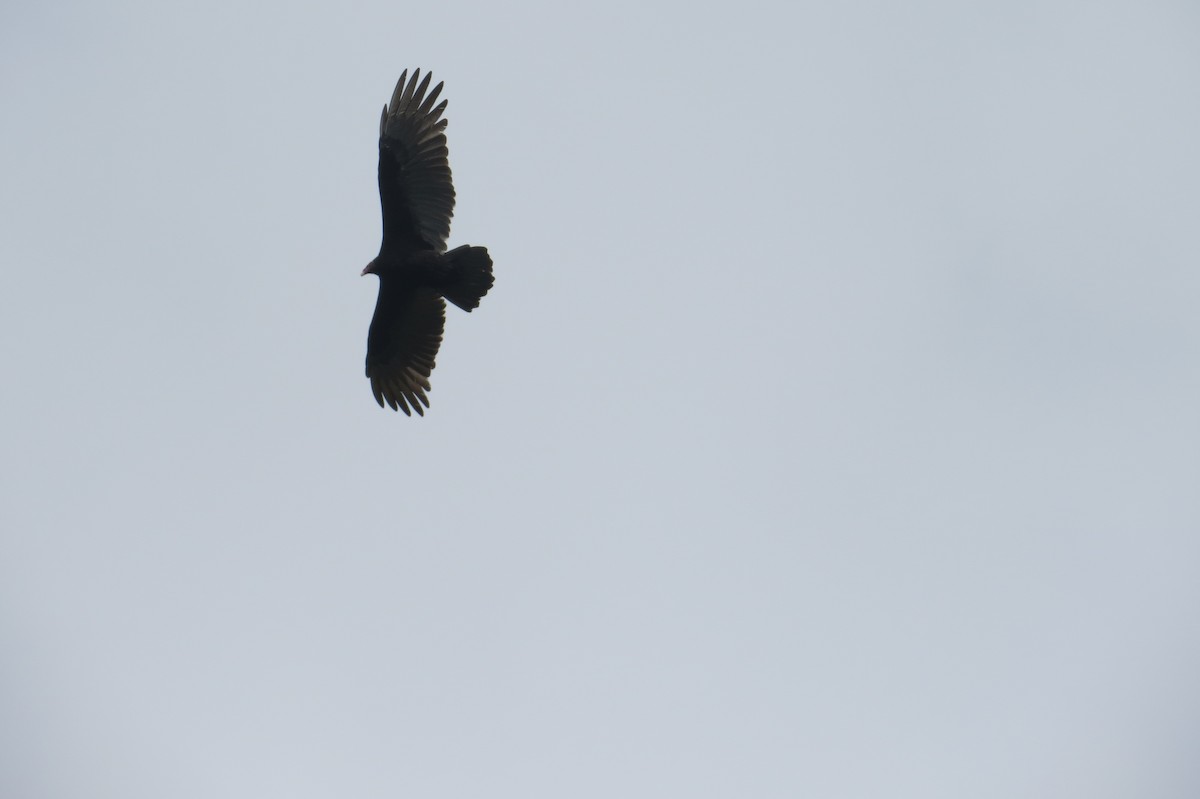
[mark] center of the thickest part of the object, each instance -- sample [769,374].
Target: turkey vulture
[415,271]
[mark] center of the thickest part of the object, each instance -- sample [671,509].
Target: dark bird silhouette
[415,271]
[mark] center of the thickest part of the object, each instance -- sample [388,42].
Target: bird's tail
[469,276]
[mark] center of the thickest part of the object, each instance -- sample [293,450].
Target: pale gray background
[831,429]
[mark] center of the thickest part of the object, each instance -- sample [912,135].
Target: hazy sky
[832,430]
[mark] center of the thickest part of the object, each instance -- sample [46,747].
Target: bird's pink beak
[368,269]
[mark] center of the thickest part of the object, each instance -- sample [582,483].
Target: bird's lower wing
[402,346]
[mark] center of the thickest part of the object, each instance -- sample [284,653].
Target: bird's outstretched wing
[415,187]
[402,345]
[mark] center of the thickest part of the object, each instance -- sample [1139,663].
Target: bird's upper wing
[402,344]
[415,187]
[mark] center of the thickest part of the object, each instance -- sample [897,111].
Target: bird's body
[415,271]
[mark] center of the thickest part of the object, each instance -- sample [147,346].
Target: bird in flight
[415,270]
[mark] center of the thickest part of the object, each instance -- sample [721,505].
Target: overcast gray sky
[831,430]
